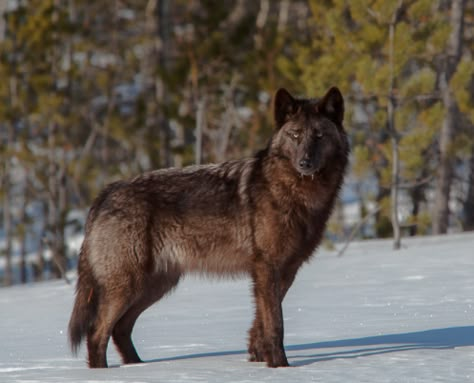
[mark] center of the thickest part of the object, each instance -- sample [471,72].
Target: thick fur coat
[261,216]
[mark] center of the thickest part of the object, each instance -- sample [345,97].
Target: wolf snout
[307,167]
[305,164]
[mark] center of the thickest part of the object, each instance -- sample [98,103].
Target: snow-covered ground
[373,315]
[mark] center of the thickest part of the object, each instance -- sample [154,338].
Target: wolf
[262,216]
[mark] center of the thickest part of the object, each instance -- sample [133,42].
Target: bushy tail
[85,306]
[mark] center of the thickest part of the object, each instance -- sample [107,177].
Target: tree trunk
[23,224]
[394,134]
[394,187]
[416,195]
[54,209]
[7,221]
[152,84]
[448,127]
[7,216]
[283,15]
[383,226]
[228,121]
[468,207]
[62,213]
[3,23]
[200,128]
[39,264]
[164,34]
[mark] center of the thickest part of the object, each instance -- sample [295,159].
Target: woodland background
[95,91]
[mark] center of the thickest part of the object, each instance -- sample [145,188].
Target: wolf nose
[305,163]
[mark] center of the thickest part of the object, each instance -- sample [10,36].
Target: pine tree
[448,67]
[350,46]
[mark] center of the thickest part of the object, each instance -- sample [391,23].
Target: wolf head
[309,132]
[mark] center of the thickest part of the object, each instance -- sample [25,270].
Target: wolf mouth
[303,175]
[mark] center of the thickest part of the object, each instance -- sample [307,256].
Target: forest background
[96,91]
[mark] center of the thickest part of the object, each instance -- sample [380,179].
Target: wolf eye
[294,135]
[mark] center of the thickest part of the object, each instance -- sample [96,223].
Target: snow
[373,315]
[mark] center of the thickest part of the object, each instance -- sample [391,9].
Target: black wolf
[261,216]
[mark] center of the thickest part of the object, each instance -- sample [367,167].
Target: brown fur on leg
[122,332]
[255,348]
[122,336]
[111,307]
[267,298]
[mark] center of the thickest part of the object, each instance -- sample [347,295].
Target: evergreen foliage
[95,91]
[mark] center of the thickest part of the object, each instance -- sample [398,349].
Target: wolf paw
[276,358]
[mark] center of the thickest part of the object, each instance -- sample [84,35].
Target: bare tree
[448,127]
[394,135]
[7,219]
[468,223]
[22,228]
[155,13]
[56,208]
[163,18]
[200,128]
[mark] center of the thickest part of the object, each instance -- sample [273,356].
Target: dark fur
[262,216]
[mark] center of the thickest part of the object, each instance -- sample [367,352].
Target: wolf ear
[332,105]
[284,106]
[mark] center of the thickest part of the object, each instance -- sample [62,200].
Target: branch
[414,184]
[434,96]
[356,229]
[87,148]
[54,258]
[410,184]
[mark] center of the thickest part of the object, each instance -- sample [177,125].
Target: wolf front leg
[269,343]
[256,337]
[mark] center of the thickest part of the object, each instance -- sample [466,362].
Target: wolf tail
[85,306]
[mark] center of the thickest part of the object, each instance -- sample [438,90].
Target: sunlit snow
[373,315]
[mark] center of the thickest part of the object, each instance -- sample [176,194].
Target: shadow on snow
[438,339]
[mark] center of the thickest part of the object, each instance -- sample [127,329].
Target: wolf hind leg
[108,313]
[122,332]
[256,345]
[121,335]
